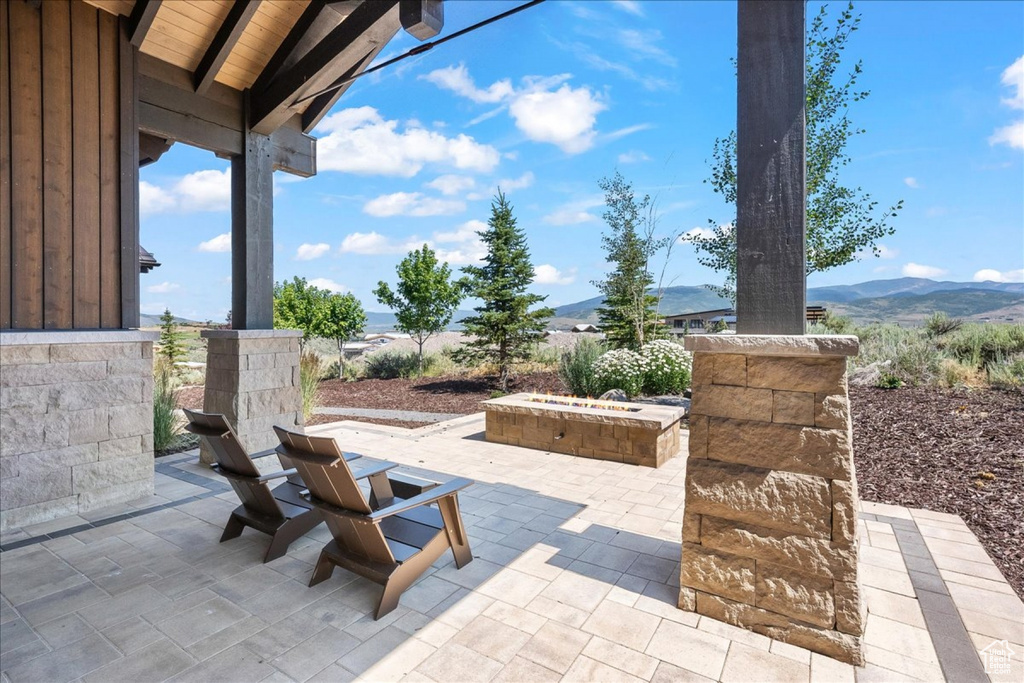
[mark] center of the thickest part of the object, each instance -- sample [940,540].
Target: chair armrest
[374,469]
[241,477]
[443,491]
[263,454]
[277,475]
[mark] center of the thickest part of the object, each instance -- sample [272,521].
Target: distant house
[700,322]
[585,327]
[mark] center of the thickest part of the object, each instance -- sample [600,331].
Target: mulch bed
[948,450]
[404,424]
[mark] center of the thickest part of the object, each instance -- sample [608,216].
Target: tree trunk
[420,342]
[341,359]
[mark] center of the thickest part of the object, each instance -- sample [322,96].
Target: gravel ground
[948,450]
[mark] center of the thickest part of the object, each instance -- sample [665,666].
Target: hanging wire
[420,49]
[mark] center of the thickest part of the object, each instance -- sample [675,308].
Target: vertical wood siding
[68,204]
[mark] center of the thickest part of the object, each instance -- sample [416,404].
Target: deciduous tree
[343,319]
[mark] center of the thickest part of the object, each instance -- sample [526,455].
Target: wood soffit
[231,42]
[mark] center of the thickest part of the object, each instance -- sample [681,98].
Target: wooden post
[252,233]
[129,141]
[771,284]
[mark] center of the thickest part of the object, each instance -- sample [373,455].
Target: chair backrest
[232,458]
[322,466]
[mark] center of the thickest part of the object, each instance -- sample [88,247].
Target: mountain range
[906,300]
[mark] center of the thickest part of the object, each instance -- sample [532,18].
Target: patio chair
[281,512]
[384,538]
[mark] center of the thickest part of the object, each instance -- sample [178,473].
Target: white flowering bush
[666,367]
[620,369]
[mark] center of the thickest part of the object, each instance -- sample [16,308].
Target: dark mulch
[460,395]
[189,397]
[949,450]
[405,424]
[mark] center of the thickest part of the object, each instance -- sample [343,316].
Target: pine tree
[171,348]
[504,330]
[627,314]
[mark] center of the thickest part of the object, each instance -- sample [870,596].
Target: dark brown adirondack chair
[281,512]
[384,538]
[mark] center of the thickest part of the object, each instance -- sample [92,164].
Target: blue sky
[549,101]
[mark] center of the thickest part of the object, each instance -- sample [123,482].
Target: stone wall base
[76,422]
[252,377]
[769,522]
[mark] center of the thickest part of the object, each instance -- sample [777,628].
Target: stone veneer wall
[769,525]
[76,422]
[252,377]
[602,441]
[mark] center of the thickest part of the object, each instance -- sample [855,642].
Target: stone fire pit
[633,433]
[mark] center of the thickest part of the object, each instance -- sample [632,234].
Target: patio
[575,577]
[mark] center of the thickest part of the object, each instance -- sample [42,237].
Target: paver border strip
[957,655]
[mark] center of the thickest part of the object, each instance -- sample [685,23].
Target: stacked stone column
[769,526]
[252,377]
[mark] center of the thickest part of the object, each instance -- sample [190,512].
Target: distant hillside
[384,321]
[147,320]
[971,304]
[904,286]
[673,300]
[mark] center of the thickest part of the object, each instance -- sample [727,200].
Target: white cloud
[308,252]
[154,308]
[219,244]
[451,184]
[633,156]
[412,204]
[329,285]
[643,45]
[520,183]
[470,253]
[373,243]
[154,199]
[468,248]
[1012,135]
[575,212]
[885,252]
[631,6]
[912,182]
[208,190]
[700,233]
[465,232]
[458,80]
[992,275]
[917,270]
[565,117]
[163,288]
[1013,77]
[549,275]
[360,140]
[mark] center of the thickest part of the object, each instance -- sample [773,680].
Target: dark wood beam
[370,24]
[151,148]
[141,19]
[171,110]
[771,282]
[252,235]
[298,41]
[129,139]
[321,104]
[224,42]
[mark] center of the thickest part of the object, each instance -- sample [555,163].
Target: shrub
[956,374]
[666,367]
[395,364]
[1007,375]
[939,324]
[889,381]
[310,371]
[620,369]
[497,393]
[981,345]
[576,367]
[837,324]
[166,426]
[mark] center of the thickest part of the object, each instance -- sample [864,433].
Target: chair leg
[233,529]
[289,532]
[456,532]
[389,600]
[323,570]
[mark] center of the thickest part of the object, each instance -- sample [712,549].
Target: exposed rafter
[141,19]
[296,42]
[371,24]
[227,37]
[321,104]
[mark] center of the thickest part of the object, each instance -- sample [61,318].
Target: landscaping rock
[613,395]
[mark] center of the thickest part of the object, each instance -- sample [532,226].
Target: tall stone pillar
[769,525]
[252,377]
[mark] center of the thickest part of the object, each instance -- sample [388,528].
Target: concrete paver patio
[575,577]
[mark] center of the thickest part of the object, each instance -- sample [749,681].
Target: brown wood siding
[85,89]
[57,177]
[68,205]
[26,167]
[5,171]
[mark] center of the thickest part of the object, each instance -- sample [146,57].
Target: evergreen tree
[504,329]
[171,348]
[426,296]
[627,314]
